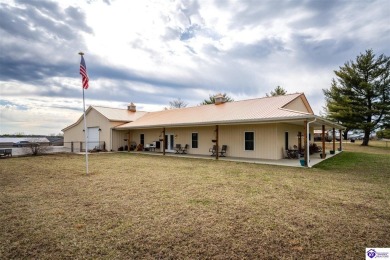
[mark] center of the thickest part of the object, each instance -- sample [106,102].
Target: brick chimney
[131,107]
[219,99]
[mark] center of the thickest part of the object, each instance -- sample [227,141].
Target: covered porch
[314,159]
[270,139]
[309,127]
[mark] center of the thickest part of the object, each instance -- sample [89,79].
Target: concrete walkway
[314,158]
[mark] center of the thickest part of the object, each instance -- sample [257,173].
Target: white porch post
[323,141]
[305,143]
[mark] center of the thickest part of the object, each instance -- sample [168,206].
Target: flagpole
[85,128]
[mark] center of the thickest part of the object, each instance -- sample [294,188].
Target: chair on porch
[184,149]
[178,148]
[213,150]
[292,154]
[286,154]
[223,151]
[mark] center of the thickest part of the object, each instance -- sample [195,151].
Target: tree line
[178,103]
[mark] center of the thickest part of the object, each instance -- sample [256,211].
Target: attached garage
[93,137]
[100,124]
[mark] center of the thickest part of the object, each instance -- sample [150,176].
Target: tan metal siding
[293,131]
[74,134]
[269,138]
[182,136]
[297,105]
[234,138]
[118,139]
[94,119]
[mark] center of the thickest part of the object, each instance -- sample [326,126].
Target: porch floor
[314,158]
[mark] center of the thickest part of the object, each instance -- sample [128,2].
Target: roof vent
[131,107]
[219,99]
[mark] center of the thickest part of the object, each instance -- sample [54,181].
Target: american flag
[83,72]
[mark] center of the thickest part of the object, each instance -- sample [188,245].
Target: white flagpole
[86,135]
[85,128]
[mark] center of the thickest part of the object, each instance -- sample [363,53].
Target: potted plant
[302,161]
[324,156]
[214,141]
[331,151]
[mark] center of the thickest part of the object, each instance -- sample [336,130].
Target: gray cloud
[258,50]
[190,9]
[39,39]
[34,32]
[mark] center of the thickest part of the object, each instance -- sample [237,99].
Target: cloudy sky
[151,52]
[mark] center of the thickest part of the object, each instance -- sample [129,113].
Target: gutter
[210,123]
[307,142]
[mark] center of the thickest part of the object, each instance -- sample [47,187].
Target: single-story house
[262,128]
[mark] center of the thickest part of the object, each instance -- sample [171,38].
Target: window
[249,141]
[194,140]
[286,141]
[142,139]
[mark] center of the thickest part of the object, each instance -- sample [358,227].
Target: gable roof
[251,110]
[119,115]
[111,114]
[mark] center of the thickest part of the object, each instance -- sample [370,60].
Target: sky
[151,52]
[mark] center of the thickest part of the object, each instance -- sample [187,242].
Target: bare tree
[34,147]
[177,103]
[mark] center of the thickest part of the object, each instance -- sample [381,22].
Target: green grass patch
[358,163]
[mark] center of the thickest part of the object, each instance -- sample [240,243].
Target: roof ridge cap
[108,107]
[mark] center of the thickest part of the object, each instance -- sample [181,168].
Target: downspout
[308,141]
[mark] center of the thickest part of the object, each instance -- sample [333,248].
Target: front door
[170,142]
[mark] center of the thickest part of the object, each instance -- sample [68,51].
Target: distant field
[140,206]
[376,147]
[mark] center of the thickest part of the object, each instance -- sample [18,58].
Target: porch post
[341,142]
[164,140]
[128,141]
[323,141]
[299,142]
[306,156]
[334,139]
[216,143]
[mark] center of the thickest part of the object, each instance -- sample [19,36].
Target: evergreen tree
[360,97]
[278,91]
[211,99]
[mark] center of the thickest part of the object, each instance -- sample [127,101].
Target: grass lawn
[140,206]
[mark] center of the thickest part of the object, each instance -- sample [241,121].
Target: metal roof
[116,114]
[112,114]
[265,109]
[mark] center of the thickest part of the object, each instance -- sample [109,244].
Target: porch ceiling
[317,124]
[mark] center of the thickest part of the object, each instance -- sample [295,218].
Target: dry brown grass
[139,206]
